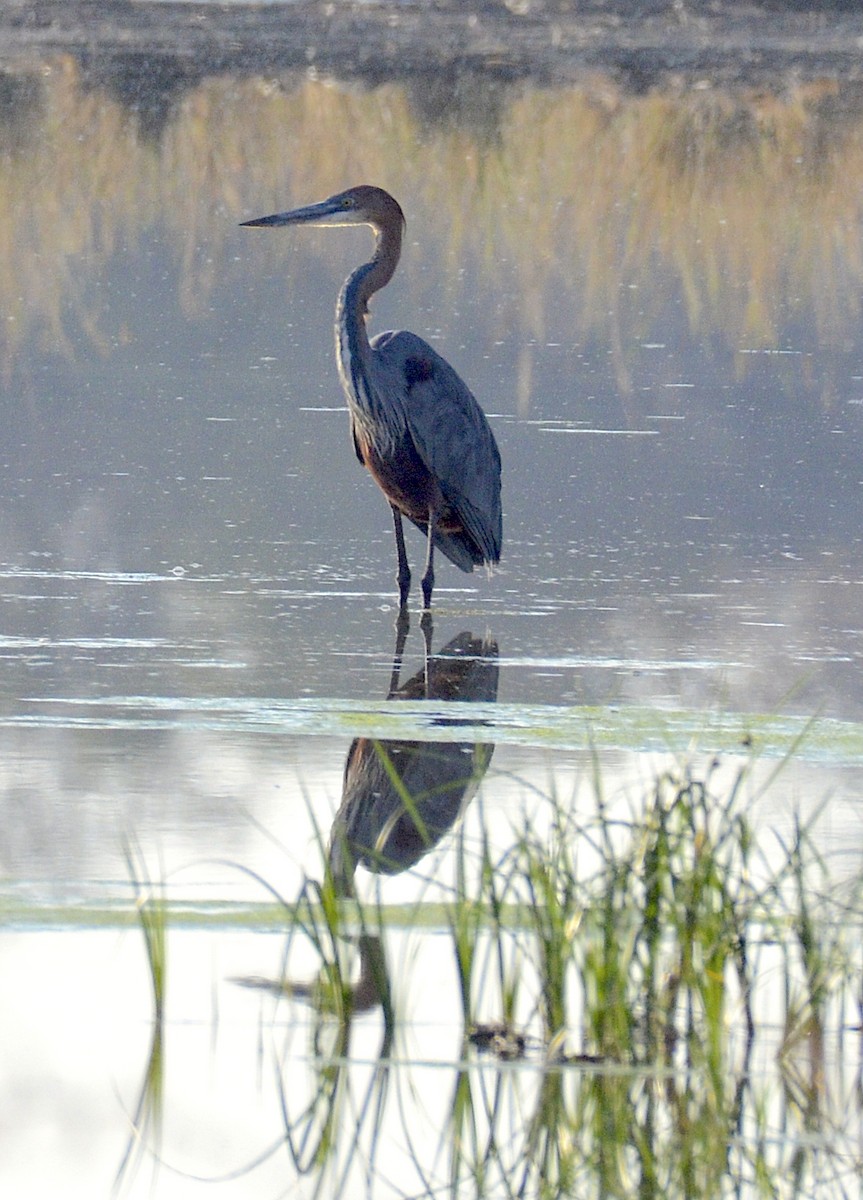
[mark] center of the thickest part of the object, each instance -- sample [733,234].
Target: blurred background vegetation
[714,191]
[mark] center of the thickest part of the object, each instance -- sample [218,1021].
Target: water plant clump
[663,927]
[638,934]
[671,982]
[657,945]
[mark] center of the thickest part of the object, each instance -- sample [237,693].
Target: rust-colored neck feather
[376,274]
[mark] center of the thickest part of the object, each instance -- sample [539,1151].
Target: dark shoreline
[639,43]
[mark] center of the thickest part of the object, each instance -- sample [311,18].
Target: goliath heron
[415,424]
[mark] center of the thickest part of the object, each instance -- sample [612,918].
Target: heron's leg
[428,574]
[404,575]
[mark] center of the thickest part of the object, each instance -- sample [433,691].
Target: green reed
[615,951]
[643,925]
[145,1120]
[650,963]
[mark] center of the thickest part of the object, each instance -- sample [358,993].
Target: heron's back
[449,435]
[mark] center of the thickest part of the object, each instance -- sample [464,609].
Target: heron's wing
[449,430]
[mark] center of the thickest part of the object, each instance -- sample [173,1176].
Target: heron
[415,424]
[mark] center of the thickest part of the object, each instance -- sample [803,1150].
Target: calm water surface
[655,297]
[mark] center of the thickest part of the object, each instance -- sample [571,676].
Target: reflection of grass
[620,200]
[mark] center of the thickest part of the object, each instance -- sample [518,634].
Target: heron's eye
[347,202]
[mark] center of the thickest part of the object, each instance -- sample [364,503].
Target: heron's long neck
[352,341]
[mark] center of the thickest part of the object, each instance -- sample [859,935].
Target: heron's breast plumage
[399,471]
[424,438]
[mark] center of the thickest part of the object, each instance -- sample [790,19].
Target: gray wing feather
[450,432]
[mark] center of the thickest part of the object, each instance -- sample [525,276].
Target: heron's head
[362,205]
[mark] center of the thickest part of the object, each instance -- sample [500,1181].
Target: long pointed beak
[311,214]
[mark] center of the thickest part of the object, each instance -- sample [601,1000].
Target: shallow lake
[655,294]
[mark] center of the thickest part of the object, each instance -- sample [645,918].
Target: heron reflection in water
[399,798]
[414,422]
